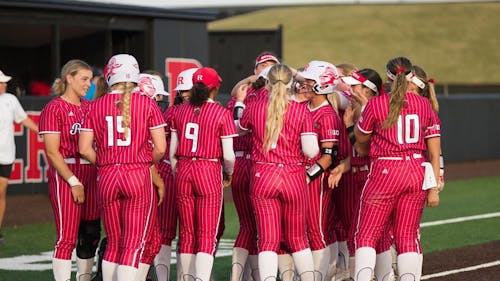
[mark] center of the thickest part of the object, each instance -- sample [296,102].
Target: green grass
[460,198]
[453,42]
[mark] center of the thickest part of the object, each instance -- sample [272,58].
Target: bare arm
[244,81]
[85,146]
[174,142]
[159,143]
[434,149]
[28,123]
[52,143]
[362,144]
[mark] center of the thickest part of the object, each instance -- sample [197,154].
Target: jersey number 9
[191,133]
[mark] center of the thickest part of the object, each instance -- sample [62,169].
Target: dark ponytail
[200,94]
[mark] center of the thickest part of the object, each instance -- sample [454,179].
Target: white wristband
[363,108]
[73,181]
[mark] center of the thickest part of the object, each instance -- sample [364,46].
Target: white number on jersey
[191,133]
[411,129]
[119,129]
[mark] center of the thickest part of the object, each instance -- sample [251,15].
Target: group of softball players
[329,168]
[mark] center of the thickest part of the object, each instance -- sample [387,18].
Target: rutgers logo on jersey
[75,129]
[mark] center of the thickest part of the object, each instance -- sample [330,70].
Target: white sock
[253,264]
[187,266]
[109,271]
[343,256]
[61,269]
[409,266]
[142,272]
[203,265]
[84,269]
[420,264]
[162,263]
[383,266]
[126,273]
[303,262]
[321,261]
[365,264]
[238,263]
[285,267]
[268,265]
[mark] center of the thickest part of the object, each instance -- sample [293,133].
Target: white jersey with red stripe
[416,122]
[105,120]
[201,128]
[287,150]
[64,118]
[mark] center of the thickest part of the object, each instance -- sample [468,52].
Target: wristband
[350,129]
[314,171]
[73,181]
[363,108]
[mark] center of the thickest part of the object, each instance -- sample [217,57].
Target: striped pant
[393,188]
[68,214]
[279,197]
[127,199]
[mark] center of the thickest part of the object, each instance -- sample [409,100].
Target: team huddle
[329,169]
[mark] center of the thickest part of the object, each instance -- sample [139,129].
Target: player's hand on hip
[433,198]
[78,194]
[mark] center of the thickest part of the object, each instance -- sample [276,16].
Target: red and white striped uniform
[125,185]
[240,186]
[278,185]
[198,178]
[167,211]
[65,119]
[321,209]
[396,175]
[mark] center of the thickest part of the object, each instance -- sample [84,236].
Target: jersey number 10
[410,128]
[119,129]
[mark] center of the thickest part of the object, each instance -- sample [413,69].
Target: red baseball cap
[207,76]
[266,57]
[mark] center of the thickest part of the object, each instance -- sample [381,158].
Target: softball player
[202,136]
[122,125]
[281,128]
[167,212]
[245,245]
[320,80]
[400,127]
[72,180]
[365,84]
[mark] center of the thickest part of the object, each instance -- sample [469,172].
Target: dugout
[38,37]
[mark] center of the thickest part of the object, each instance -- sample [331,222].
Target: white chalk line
[460,219]
[460,270]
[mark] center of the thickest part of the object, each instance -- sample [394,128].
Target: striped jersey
[105,120]
[287,150]
[416,122]
[326,124]
[66,119]
[201,128]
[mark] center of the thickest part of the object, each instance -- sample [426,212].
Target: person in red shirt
[397,129]
[72,180]
[123,124]
[282,133]
[201,143]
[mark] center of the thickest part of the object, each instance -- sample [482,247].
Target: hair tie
[431,80]
[400,70]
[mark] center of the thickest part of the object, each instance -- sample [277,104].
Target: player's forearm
[89,154]
[58,163]
[28,123]
[434,149]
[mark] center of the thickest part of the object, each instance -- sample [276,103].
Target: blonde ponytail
[280,76]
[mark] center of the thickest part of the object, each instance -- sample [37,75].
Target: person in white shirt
[12,111]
